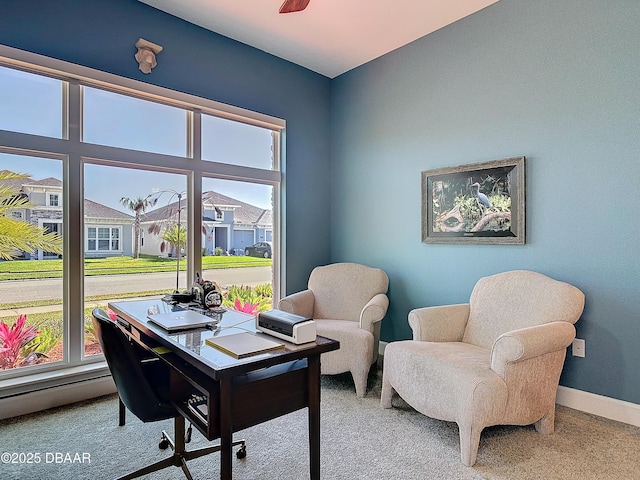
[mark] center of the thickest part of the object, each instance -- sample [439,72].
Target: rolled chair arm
[522,344]
[299,303]
[444,323]
[374,311]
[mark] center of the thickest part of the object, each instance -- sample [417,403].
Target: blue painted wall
[555,80]
[101,34]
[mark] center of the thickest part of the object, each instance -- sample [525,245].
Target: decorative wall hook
[146,55]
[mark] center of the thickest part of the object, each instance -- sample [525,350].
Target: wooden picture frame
[480,203]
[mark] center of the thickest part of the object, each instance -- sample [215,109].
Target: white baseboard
[600,405]
[55,397]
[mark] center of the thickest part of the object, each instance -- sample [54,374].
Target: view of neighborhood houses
[229,225]
[120,260]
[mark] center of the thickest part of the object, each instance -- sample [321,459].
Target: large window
[140,191]
[31,272]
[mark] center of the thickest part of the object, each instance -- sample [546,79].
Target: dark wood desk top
[191,347]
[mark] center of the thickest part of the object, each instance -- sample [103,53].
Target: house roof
[243,213]
[97,210]
[18,184]
[91,209]
[45,182]
[14,184]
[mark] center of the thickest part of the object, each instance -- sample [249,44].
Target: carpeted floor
[360,440]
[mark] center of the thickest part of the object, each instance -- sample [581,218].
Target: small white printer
[287,326]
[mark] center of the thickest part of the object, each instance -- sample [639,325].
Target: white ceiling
[330,36]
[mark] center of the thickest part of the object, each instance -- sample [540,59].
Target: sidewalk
[54,308]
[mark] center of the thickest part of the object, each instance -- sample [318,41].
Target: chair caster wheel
[163,444]
[242,453]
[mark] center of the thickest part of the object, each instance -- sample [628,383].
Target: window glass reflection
[226,141]
[121,121]
[238,222]
[31,273]
[132,219]
[30,103]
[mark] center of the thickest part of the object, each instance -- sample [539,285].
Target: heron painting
[476,203]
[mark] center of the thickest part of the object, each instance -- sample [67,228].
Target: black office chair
[143,387]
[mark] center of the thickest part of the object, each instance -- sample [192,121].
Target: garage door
[242,239]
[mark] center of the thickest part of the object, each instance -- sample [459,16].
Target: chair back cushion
[140,389]
[517,299]
[341,290]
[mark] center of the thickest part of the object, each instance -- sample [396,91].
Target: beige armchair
[348,302]
[494,361]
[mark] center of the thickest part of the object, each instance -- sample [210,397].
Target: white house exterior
[228,224]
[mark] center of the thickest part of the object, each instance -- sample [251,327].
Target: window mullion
[195,186]
[73,258]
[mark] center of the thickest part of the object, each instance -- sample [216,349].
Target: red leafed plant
[246,307]
[251,300]
[15,350]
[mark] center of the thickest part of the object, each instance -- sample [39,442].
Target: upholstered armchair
[493,361]
[347,302]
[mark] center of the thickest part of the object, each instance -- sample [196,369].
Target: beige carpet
[360,440]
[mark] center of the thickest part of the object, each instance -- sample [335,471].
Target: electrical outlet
[578,348]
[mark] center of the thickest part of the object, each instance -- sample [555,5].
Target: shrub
[48,338]
[16,344]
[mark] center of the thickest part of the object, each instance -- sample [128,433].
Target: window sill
[54,378]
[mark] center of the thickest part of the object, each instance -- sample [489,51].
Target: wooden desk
[239,393]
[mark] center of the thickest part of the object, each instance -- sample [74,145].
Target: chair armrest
[374,311]
[299,303]
[522,344]
[444,323]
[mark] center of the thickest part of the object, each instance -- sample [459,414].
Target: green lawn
[31,269]
[49,323]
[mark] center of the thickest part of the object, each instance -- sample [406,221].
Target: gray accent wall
[557,81]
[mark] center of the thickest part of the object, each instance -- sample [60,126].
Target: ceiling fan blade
[290,6]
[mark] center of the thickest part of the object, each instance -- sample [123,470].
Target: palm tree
[138,206]
[174,235]
[18,235]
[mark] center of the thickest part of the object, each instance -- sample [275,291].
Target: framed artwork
[480,203]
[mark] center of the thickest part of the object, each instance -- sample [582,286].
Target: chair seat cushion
[356,346]
[422,373]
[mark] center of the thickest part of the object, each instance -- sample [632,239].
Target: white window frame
[74,154]
[50,197]
[117,228]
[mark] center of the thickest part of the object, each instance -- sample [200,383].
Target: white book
[245,344]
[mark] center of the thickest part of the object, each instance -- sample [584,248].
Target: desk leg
[226,429]
[314,415]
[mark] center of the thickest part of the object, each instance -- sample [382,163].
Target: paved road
[46,289]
